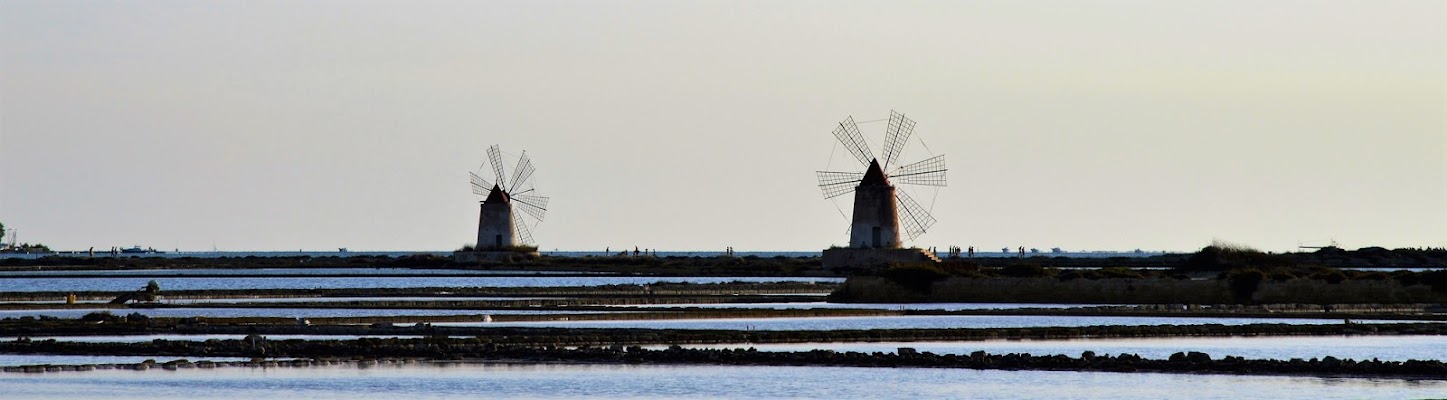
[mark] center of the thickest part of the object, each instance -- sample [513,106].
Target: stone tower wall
[874,207]
[494,222]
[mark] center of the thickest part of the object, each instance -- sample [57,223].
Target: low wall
[867,289]
[851,258]
[492,256]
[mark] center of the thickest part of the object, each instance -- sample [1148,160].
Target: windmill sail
[522,172]
[535,206]
[480,186]
[494,156]
[848,134]
[915,219]
[835,184]
[520,230]
[896,136]
[927,172]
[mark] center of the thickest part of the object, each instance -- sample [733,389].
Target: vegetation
[515,249]
[1225,257]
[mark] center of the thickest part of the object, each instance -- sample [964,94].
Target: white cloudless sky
[679,125]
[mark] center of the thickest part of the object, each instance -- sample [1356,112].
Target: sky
[696,125]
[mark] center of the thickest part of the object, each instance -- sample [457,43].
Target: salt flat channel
[274,312]
[1385,348]
[283,271]
[908,322]
[108,284]
[564,381]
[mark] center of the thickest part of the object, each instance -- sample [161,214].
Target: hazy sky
[258,125]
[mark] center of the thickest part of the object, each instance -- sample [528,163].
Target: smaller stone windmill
[498,227]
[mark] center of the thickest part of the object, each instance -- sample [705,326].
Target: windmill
[880,209]
[498,227]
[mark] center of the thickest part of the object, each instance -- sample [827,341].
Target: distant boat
[139,250]
[341,249]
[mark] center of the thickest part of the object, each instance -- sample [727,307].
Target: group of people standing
[952,251]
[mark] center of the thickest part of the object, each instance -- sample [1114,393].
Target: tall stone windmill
[880,208]
[498,227]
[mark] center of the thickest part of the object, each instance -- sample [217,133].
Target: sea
[552,253]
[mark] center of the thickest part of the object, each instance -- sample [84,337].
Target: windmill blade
[895,137]
[848,133]
[480,186]
[927,172]
[521,174]
[494,155]
[535,206]
[520,230]
[915,219]
[835,184]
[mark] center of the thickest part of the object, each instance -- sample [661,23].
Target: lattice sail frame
[835,184]
[520,231]
[848,134]
[916,220]
[531,207]
[895,136]
[927,172]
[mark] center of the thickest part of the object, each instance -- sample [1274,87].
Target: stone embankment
[478,335]
[1192,362]
[873,289]
[660,289]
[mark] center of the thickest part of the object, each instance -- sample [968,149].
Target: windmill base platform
[847,258]
[476,257]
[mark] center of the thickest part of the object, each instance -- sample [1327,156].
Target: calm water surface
[906,322]
[668,382]
[1385,348]
[193,338]
[284,271]
[274,312]
[871,306]
[129,283]
[341,299]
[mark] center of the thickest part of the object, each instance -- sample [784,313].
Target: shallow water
[1385,348]
[274,312]
[192,338]
[283,271]
[340,299]
[660,382]
[905,322]
[223,283]
[870,306]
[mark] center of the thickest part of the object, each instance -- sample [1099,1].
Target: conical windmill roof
[874,176]
[497,196]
